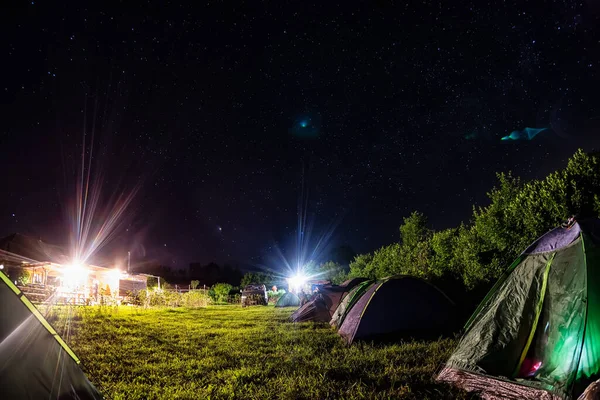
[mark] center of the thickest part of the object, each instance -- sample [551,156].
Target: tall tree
[414,229]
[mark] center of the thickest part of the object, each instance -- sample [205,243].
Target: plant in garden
[220,292]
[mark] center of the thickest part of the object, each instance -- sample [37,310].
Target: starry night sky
[230,114]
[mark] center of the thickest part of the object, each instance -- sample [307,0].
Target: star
[233,139]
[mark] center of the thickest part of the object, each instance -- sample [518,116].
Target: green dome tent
[537,332]
[35,363]
[288,299]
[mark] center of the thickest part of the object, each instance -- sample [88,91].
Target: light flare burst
[93,226]
[308,251]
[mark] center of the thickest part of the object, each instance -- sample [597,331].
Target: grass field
[243,353]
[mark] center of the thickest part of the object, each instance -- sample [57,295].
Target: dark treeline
[206,274]
[212,273]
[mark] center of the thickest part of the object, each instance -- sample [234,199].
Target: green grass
[243,353]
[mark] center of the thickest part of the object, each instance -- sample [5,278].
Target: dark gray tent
[334,294]
[35,363]
[348,302]
[288,299]
[323,305]
[398,307]
[315,310]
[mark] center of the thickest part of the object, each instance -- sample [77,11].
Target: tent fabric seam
[21,296]
[369,301]
[585,318]
[573,243]
[365,307]
[538,311]
[361,288]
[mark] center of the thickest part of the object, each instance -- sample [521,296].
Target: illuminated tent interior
[35,363]
[536,334]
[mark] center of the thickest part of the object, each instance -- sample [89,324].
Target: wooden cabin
[44,274]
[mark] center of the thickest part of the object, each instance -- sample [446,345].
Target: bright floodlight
[296,282]
[74,275]
[116,273]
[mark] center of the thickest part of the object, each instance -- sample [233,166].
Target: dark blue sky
[203,107]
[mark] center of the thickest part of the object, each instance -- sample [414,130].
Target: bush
[165,298]
[256,277]
[360,267]
[477,253]
[195,298]
[22,276]
[219,293]
[234,298]
[331,271]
